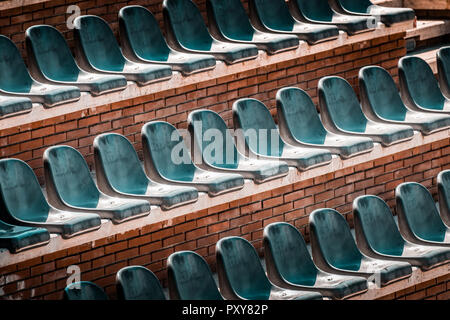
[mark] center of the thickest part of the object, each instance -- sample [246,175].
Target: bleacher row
[145,56]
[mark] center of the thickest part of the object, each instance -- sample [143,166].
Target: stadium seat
[242,277]
[84,290]
[119,173]
[19,238]
[257,129]
[138,283]
[419,87]
[141,40]
[274,16]
[320,12]
[186,31]
[190,277]
[97,50]
[70,186]
[377,236]
[51,61]
[334,250]
[289,265]
[11,106]
[167,159]
[387,15]
[381,101]
[341,113]
[15,80]
[23,203]
[443,66]
[418,216]
[300,124]
[215,146]
[443,184]
[228,21]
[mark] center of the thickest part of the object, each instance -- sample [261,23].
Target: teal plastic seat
[187,32]
[70,186]
[341,113]
[377,236]
[141,39]
[300,124]
[215,145]
[97,50]
[274,16]
[443,184]
[119,173]
[257,129]
[138,283]
[51,61]
[190,277]
[22,203]
[242,277]
[289,265]
[380,100]
[321,12]
[443,66]
[387,15]
[15,80]
[84,290]
[334,250]
[228,21]
[18,238]
[167,159]
[418,216]
[11,106]
[419,87]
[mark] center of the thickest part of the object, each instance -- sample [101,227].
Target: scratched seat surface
[23,203]
[138,283]
[70,186]
[221,154]
[443,184]
[187,31]
[51,61]
[84,290]
[241,275]
[274,16]
[11,106]
[20,238]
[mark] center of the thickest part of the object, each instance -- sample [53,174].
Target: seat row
[103,66]
[339,268]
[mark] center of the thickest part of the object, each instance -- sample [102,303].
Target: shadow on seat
[84,290]
[138,283]
[17,238]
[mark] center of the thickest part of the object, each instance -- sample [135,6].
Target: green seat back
[335,239]
[190,277]
[290,254]
[70,174]
[443,63]
[360,6]
[138,283]
[318,10]
[274,14]
[84,290]
[443,184]
[21,194]
[243,268]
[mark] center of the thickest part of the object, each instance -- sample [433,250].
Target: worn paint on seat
[138,283]
[84,290]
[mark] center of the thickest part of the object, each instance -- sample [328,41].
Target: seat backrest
[373,216]
[213,139]
[14,75]
[419,81]
[20,192]
[120,163]
[141,30]
[380,91]
[187,24]
[289,253]
[51,54]
[360,6]
[165,149]
[84,290]
[273,14]
[261,133]
[138,283]
[420,211]
[443,184]
[190,277]
[300,115]
[98,43]
[66,169]
[239,261]
[315,10]
[443,64]
[231,19]
[335,239]
[338,99]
